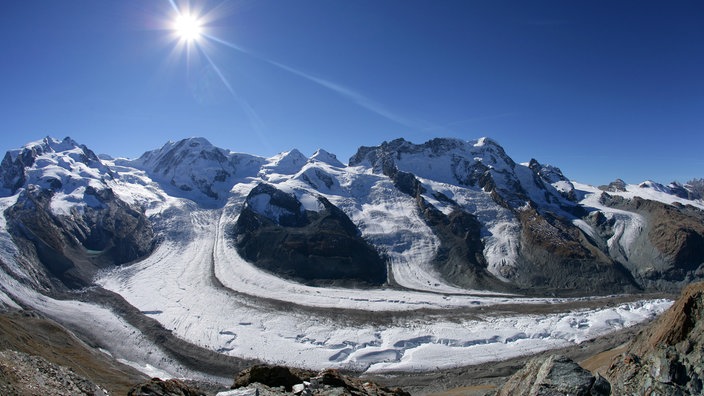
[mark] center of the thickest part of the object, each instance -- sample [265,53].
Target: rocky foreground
[38,357]
[667,358]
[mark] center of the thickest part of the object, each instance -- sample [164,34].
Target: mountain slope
[192,253]
[446,214]
[66,217]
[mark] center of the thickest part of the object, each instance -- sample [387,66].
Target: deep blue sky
[601,89]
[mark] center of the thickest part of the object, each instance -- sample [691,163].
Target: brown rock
[273,376]
[158,387]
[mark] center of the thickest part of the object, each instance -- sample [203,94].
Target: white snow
[646,190]
[115,335]
[323,156]
[196,284]
[175,287]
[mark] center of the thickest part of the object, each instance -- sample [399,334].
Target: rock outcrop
[22,374]
[73,246]
[554,376]
[669,252]
[668,357]
[159,387]
[275,232]
[276,380]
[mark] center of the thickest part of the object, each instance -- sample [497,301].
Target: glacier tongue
[176,287]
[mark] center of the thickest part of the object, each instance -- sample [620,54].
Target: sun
[187,27]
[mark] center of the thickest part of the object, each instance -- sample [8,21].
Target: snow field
[175,286]
[196,284]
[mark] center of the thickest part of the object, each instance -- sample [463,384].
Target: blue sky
[601,89]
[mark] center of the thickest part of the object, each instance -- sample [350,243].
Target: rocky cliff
[67,222]
[667,358]
[318,245]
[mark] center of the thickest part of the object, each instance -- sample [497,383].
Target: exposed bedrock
[554,376]
[460,259]
[666,358]
[72,247]
[669,252]
[557,256]
[323,247]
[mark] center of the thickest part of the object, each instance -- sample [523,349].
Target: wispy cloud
[353,96]
[350,94]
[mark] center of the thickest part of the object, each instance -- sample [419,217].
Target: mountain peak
[64,156]
[194,168]
[482,141]
[52,144]
[286,163]
[321,155]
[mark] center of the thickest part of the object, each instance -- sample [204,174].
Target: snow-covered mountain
[220,247]
[461,214]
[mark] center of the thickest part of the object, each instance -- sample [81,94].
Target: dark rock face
[551,174]
[460,258]
[73,247]
[556,255]
[614,186]
[667,358]
[269,380]
[273,376]
[158,387]
[554,376]
[670,250]
[324,247]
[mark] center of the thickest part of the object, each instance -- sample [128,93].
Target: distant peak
[192,143]
[323,156]
[287,162]
[615,186]
[291,155]
[52,144]
[486,141]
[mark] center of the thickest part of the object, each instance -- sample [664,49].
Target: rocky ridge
[493,224]
[66,220]
[322,245]
[554,375]
[666,358]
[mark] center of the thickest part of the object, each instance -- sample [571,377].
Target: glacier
[196,285]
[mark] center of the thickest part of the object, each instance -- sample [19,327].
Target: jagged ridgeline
[445,215]
[66,220]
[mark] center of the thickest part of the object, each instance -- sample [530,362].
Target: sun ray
[188,27]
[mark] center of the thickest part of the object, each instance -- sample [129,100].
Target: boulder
[159,387]
[273,376]
[553,376]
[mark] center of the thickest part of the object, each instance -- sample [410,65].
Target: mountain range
[444,214]
[194,260]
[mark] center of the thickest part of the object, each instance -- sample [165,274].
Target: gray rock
[320,248]
[23,374]
[668,357]
[553,376]
[158,387]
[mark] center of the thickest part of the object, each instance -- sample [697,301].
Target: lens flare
[187,27]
